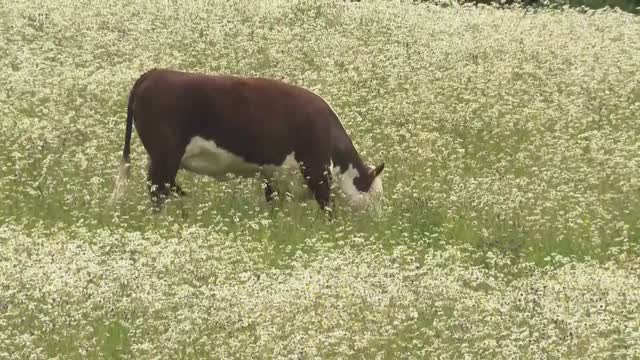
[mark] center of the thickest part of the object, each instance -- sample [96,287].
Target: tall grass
[511,221]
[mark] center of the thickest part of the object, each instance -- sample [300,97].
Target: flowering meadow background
[511,221]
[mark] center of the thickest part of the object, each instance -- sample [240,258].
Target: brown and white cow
[220,125]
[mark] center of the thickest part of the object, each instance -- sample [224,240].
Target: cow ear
[375,172]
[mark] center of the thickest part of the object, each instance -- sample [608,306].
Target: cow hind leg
[178,190]
[269,193]
[161,180]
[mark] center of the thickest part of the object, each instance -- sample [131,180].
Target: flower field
[511,221]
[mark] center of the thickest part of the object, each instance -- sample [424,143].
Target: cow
[216,125]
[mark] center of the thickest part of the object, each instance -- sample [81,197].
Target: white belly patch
[205,157]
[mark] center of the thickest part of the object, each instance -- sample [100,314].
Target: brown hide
[260,120]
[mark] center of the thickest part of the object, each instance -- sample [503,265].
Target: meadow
[511,221]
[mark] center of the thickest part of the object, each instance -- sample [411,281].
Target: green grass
[511,220]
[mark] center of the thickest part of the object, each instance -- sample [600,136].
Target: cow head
[362,189]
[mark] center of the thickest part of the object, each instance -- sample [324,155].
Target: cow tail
[126,150]
[125,164]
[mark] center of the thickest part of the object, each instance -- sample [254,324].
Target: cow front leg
[318,182]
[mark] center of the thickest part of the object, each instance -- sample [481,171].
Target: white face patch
[376,192]
[356,199]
